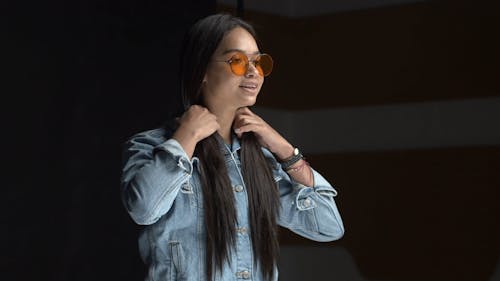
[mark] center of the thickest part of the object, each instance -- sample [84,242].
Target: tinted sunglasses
[239,63]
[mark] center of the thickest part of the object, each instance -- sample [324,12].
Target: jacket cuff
[322,186]
[304,199]
[175,149]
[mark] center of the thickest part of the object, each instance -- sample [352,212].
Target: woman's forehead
[228,51]
[238,40]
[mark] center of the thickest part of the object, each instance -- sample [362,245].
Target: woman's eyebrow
[238,50]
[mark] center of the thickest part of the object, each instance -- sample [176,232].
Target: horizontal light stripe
[472,122]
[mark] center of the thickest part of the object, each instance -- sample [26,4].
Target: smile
[250,86]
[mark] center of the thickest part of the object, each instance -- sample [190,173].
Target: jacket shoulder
[153,136]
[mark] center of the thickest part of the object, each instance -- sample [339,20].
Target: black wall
[81,76]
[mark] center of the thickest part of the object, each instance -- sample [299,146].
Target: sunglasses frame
[247,63]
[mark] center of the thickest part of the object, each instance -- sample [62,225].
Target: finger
[197,106]
[238,132]
[247,128]
[215,127]
[245,121]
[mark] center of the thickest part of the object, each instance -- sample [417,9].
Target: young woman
[213,185]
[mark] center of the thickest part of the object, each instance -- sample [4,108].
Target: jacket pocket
[177,266]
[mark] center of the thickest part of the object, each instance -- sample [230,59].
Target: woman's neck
[225,119]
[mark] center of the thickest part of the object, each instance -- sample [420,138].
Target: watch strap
[287,163]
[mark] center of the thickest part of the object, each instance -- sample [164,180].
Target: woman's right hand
[195,124]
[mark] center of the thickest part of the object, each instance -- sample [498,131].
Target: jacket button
[242,230]
[307,202]
[238,188]
[245,274]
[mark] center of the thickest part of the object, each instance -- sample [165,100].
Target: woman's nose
[251,70]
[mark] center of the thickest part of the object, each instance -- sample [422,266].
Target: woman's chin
[249,102]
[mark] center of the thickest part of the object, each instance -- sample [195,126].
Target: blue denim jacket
[161,189]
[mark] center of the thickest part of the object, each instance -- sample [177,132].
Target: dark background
[82,76]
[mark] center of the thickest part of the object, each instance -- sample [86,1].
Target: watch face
[296,151]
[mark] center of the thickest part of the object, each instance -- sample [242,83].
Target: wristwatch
[285,164]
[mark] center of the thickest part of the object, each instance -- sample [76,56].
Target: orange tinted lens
[239,64]
[264,64]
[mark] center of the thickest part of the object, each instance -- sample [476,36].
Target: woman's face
[221,88]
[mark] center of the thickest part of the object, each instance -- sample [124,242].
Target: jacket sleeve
[309,211]
[153,171]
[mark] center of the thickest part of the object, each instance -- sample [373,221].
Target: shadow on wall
[298,263]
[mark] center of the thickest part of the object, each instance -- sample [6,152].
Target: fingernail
[237,130]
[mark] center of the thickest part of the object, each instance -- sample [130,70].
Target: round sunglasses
[239,63]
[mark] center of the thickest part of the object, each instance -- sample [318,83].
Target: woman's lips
[249,85]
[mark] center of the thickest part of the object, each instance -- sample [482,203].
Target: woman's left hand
[247,121]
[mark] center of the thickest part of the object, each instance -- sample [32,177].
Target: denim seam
[330,208]
[315,220]
[160,199]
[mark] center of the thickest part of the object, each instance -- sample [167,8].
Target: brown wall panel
[433,50]
[417,214]
[428,214]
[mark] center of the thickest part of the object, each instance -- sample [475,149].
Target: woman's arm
[153,172]
[307,200]
[155,168]
[247,121]
[309,211]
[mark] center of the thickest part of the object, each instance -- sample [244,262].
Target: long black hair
[198,47]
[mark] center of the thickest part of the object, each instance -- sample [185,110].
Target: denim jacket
[160,188]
